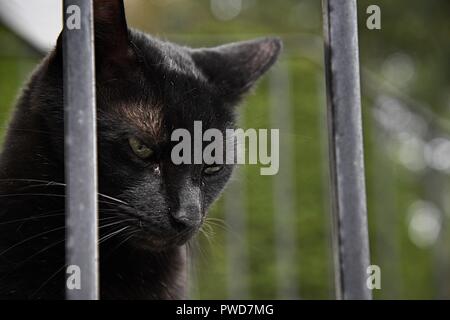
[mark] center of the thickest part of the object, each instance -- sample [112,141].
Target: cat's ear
[235,67]
[112,45]
[111,31]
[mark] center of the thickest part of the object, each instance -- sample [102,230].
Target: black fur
[145,88]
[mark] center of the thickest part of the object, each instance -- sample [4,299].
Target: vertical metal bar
[80,148]
[346,149]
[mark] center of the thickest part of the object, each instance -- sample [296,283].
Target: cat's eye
[213,169]
[139,148]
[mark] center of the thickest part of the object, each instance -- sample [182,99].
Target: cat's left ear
[237,66]
[112,46]
[111,30]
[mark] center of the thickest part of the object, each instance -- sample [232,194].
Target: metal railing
[345,139]
[351,243]
[80,149]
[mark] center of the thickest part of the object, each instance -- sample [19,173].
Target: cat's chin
[150,243]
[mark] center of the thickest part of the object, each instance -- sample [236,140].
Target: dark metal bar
[80,148]
[346,149]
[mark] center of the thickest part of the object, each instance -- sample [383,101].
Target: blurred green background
[270,235]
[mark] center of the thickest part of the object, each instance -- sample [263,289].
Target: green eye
[212,169]
[140,149]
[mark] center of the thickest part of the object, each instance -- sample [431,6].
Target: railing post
[351,244]
[80,148]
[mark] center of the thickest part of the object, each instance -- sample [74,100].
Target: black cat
[149,207]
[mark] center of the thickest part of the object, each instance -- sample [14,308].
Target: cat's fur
[145,88]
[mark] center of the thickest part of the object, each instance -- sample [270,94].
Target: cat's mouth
[156,242]
[161,236]
[156,233]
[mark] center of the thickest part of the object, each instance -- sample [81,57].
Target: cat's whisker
[114,223]
[114,199]
[47,281]
[110,224]
[217,221]
[44,183]
[31,238]
[207,236]
[58,242]
[38,185]
[46,195]
[32,218]
[57,213]
[22,263]
[215,224]
[207,229]
[224,227]
[109,218]
[49,182]
[112,234]
[208,223]
[48,247]
[128,236]
[32,194]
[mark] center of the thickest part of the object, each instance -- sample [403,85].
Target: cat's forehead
[147,119]
[166,56]
[157,120]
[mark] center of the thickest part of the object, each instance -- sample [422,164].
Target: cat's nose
[188,216]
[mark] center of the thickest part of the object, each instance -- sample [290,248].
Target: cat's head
[147,88]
